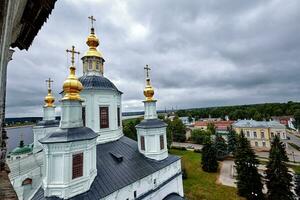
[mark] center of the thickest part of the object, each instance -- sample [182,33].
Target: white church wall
[58,177]
[93,99]
[152,182]
[152,143]
[40,132]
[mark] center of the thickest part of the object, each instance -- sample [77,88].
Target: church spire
[149,90]
[92,41]
[72,85]
[49,99]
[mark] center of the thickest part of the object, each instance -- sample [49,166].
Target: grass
[201,185]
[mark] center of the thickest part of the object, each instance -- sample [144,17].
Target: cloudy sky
[202,53]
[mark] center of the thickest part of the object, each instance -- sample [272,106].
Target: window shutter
[104,117]
[77,165]
[143,143]
[162,144]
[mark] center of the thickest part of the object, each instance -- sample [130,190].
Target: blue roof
[97,82]
[258,124]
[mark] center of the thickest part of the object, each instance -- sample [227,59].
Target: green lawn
[199,184]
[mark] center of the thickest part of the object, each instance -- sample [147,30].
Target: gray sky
[202,53]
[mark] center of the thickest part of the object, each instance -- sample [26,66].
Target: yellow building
[260,133]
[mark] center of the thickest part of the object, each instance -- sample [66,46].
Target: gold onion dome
[49,99]
[149,90]
[93,42]
[72,86]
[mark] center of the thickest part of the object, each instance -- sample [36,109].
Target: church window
[83,115]
[97,65]
[143,143]
[161,138]
[119,116]
[90,65]
[77,166]
[134,194]
[104,118]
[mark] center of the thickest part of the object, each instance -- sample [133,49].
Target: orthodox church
[85,155]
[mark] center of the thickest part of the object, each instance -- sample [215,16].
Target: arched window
[97,66]
[27,181]
[90,65]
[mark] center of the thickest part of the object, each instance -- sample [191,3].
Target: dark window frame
[142,138]
[119,116]
[84,115]
[104,117]
[77,165]
[162,142]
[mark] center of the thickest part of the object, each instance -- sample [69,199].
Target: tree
[178,130]
[169,133]
[297,118]
[211,128]
[200,136]
[279,180]
[209,158]
[221,146]
[248,179]
[129,129]
[297,185]
[232,140]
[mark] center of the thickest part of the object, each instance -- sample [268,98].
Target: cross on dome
[147,69]
[92,20]
[72,51]
[49,81]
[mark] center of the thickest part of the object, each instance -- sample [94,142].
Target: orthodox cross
[72,51]
[92,20]
[147,68]
[49,81]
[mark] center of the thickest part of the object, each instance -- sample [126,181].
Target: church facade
[86,155]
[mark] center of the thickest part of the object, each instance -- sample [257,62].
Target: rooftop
[258,124]
[132,167]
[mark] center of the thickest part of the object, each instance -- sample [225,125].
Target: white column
[49,113]
[71,114]
[150,110]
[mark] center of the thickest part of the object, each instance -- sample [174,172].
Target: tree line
[255,111]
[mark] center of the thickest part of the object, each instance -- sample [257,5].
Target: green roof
[21,150]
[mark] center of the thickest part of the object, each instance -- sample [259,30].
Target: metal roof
[69,135]
[48,123]
[97,82]
[114,174]
[151,123]
[258,124]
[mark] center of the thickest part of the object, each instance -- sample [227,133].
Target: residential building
[260,133]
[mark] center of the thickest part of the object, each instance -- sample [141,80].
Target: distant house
[185,120]
[221,126]
[285,120]
[260,133]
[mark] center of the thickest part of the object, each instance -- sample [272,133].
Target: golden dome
[72,86]
[49,99]
[149,91]
[93,42]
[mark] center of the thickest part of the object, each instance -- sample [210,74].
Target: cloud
[202,53]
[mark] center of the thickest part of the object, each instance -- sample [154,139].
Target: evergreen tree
[297,185]
[211,128]
[209,158]
[232,140]
[248,179]
[297,118]
[279,180]
[221,146]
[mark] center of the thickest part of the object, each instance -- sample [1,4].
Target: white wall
[57,180]
[40,132]
[146,184]
[93,99]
